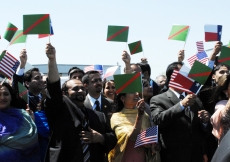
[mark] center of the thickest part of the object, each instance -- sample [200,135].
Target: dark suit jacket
[65,120]
[181,135]
[106,107]
[222,153]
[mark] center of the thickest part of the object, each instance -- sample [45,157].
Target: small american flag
[8,64]
[201,57]
[148,136]
[99,68]
[200,46]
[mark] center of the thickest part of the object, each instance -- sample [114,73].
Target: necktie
[85,147]
[97,105]
[181,97]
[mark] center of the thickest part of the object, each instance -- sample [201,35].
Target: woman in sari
[221,118]
[18,133]
[128,121]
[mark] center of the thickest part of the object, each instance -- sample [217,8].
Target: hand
[189,100]
[30,112]
[23,58]
[156,147]
[92,136]
[140,106]
[50,51]
[204,116]
[126,57]
[181,56]
[217,48]
[205,158]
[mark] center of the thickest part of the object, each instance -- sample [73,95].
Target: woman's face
[130,100]
[5,98]
[110,90]
[147,90]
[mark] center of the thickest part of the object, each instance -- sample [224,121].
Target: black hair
[85,79]
[28,75]
[13,95]
[64,87]
[222,85]
[218,66]
[145,67]
[104,83]
[118,104]
[75,70]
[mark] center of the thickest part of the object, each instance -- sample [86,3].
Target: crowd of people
[85,120]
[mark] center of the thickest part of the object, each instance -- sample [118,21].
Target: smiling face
[110,90]
[5,98]
[36,84]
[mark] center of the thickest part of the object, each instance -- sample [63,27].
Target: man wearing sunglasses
[83,132]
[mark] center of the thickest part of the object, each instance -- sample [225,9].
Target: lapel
[104,105]
[87,103]
[172,97]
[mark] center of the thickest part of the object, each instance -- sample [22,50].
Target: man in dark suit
[83,133]
[222,153]
[181,122]
[94,100]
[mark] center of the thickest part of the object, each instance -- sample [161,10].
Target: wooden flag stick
[49,38]
[25,42]
[7,46]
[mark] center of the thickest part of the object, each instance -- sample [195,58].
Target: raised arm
[53,75]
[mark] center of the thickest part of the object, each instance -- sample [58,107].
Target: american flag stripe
[88,68]
[6,71]
[177,85]
[192,59]
[200,46]
[7,66]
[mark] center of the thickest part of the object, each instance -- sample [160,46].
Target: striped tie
[85,147]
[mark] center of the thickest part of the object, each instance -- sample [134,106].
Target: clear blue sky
[80,28]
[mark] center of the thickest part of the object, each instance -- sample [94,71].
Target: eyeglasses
[77,88]
[223,71]
[96,80]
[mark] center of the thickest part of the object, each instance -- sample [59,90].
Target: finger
[91,130]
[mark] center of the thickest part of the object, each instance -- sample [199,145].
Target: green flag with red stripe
[199,72]
[117,33]
[10,31]
[135,47]
[179,32]
[128,83]
[18,37]
[224,57]
[23,92]
[36,24]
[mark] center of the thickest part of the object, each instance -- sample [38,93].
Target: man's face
[77,75]
[95,83]
[136,68]
[222,71]
[36,84]
[161,81]
[76,90]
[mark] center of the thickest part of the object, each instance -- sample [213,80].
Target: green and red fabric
[179,32]
[224,57]
[23,92]
[18,37]
[128,83]
[199,72]
[10,31]
[118,33]
[135,47]
[36,24]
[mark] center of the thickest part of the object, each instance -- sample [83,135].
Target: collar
[178,94]
[92,100]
